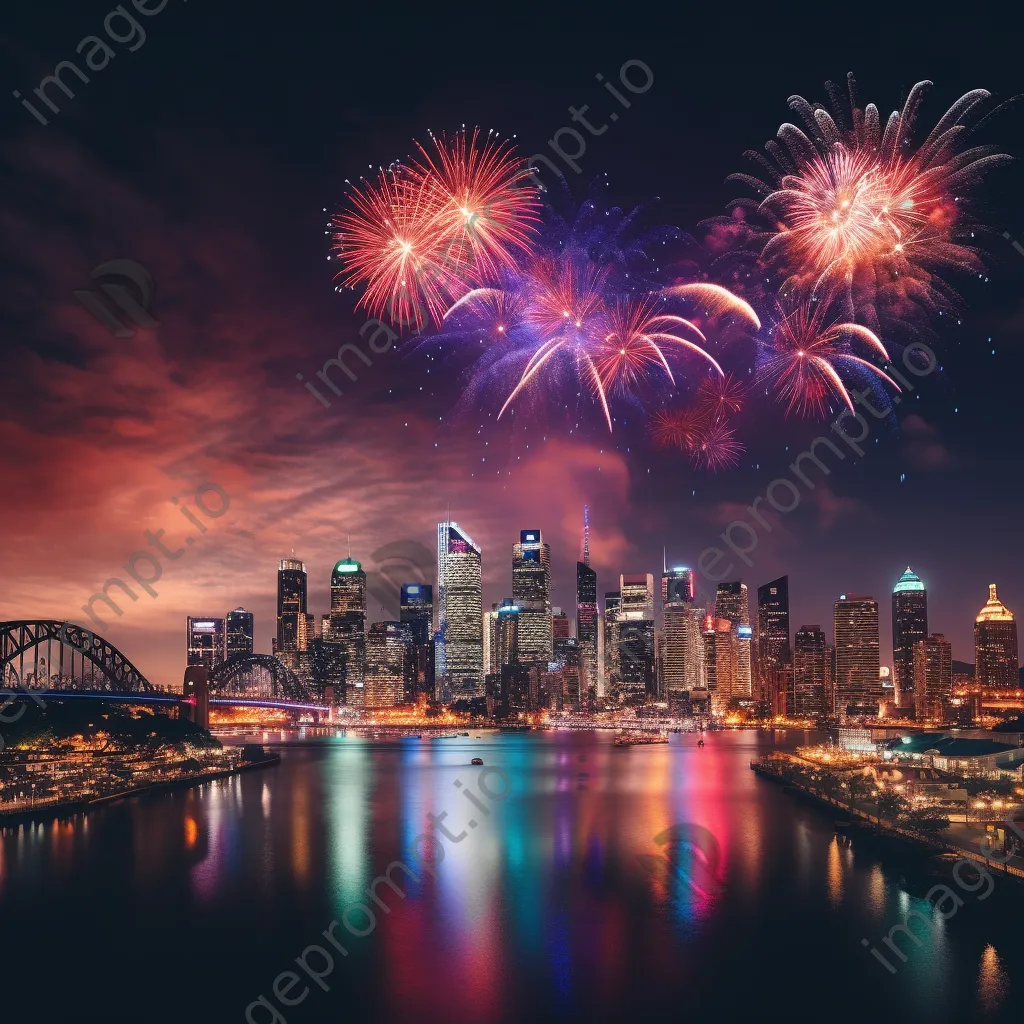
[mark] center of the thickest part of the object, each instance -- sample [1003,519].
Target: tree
[891,805]
[926,820]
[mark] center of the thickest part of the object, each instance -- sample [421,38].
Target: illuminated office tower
[531,591]
[586,624]
[240,632]
[348,622]
[491,662]
[773,650]
[909,624]
[205,641]
[682,649]
[460,611]
[677,586]
[933,678]
[637,659]
[858,683]
[810,672]
[291,603]
[389,653]
[732,603]
[507,634]
[721,661]
[996,663]
[636,597]
[416,610]
[610,622]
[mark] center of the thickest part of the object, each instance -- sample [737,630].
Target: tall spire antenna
[586,535]
[350,546]
[664,559]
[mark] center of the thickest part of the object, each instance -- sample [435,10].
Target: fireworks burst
[575,314]
[716,448]
[857,206]
[807,349]
[420,237]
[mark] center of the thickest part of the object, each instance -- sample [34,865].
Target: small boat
[635,739]
[700,743]
[477,760]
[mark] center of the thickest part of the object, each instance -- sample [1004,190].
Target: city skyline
[688,582]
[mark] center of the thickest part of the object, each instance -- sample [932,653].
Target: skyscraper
[677,586]
[460,611]
[733,604]
[637,659]
[858,683]
[388,657]
[240,632]
[531,590]
[560,626]
[933,678]
[586,614]
[348,622]
[636,597]
[909,624]
[291,603]
[610,620]
[721,660]
[773,650]
[417,612]
[996,662]
[206,641]
[509,620]
[810,673]
[682,648]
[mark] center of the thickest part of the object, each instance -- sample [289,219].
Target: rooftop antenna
[664,559]
[350,547]
[586,535]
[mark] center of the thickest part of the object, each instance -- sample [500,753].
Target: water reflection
[610,884]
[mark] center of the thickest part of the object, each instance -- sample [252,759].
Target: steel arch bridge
[260,676]
[22,641]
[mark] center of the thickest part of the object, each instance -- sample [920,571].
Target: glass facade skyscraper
[240,632]
[291,604]
[996,660]
[417,612]
[810,673]
[206,641]
[531,591]
[348,623]
[909,624]
[460,652]
[858,682]
[733,604]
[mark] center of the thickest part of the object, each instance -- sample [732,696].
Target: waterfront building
[389,655]
[909,624]
[531,591]
[416,610]
[240,632]
[721,660]
[460,650]
[206,641]
[933,678]
[348,622]
[810,673]
[637,655]
[732,604]
[507,634]
[291,603]
[773,649]
[586,624]
[996,662]
[858,684]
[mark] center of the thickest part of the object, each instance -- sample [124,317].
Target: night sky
[209,156]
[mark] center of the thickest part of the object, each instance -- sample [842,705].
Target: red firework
[717,397]
[808,347]
[676,428]
[716,447]
[420,237]
[483,207]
